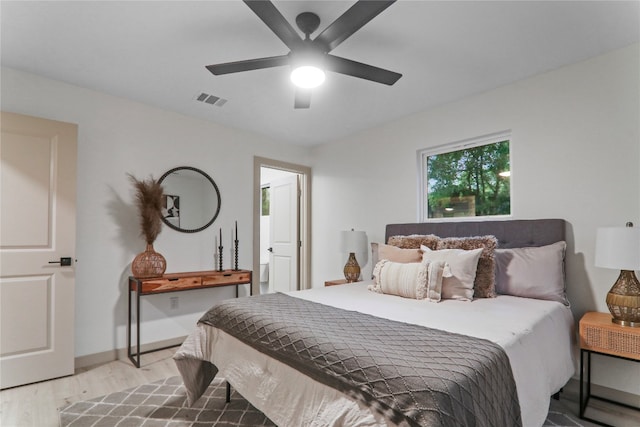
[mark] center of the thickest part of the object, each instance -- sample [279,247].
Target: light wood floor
[37,404]
[614,415]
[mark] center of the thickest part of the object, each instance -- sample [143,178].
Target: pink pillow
[395,254]
[535,272]
[381,251]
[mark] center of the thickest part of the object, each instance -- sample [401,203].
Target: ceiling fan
[313,55]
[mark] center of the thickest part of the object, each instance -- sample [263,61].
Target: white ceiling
[155,52]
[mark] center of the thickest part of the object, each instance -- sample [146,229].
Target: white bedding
[536,335]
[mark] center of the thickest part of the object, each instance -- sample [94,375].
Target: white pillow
[462,265]
[435,272]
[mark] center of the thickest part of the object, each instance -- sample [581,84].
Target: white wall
[575,154]
[116,137]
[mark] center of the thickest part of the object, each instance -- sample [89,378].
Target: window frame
[424,153]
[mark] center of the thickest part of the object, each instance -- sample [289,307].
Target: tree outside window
[467,179]
[265,201]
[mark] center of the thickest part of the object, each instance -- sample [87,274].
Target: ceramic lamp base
[623,300]
[352,269]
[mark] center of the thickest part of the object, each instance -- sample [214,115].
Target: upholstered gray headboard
[510,233]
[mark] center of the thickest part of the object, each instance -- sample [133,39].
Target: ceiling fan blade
[276,22]
[350,22]
[249,64]
[358,69]
[303,98]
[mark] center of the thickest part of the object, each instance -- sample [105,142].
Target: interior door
[284,239]
[38,222]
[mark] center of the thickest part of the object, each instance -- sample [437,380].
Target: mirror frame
[215,187]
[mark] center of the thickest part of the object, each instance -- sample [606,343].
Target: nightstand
[599,335]
[335,282]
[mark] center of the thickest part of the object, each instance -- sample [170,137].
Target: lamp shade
[353,241]
[618,248]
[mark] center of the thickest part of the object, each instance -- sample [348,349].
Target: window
[265,201]
[466,179]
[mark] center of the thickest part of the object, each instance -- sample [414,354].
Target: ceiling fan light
[307,76]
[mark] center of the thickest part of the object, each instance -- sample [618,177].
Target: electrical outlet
[173,303]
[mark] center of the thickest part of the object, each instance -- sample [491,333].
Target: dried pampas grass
[149,195]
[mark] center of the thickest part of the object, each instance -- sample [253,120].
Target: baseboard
[121,353]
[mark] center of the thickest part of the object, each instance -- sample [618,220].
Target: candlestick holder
[236,255]
[220,254]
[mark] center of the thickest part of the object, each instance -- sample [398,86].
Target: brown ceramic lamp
[353,242]
[619,248]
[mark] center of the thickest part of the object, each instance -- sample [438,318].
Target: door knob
[270,250]
[64,261]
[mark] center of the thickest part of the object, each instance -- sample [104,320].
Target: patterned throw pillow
[409,280]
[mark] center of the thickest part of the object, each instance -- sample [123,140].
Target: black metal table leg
[581,401]
[130,354]
[228,392]
[129,322]
[586,396]
[134,357]
[138,326]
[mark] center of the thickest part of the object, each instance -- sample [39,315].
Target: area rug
[163,404]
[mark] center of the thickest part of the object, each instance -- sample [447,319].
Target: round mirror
[191,199]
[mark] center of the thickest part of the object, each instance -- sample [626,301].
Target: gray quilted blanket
[412,375]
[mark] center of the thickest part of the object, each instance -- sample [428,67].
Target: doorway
[281,243]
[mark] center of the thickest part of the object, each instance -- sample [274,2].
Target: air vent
[211,99]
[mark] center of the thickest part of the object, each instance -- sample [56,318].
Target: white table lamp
[619,248]
[352,242]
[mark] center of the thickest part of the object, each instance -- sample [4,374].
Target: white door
[284,234]
[38,226]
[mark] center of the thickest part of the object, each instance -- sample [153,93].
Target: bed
[495,360]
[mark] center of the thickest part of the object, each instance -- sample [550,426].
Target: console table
[177,282]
